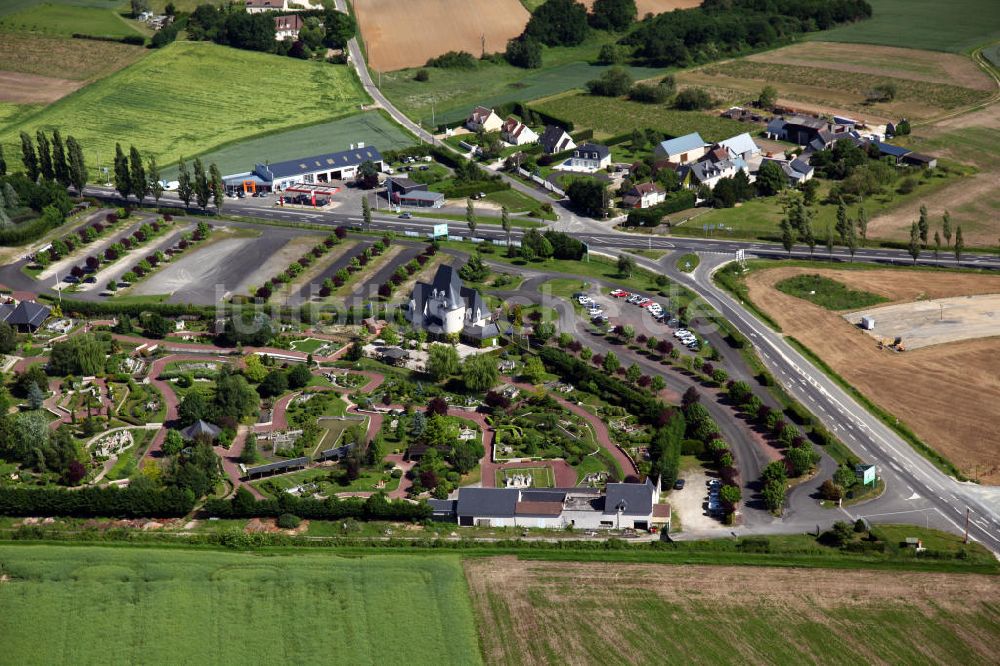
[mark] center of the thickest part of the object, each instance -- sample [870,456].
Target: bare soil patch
[581,613]
[19,88]
[947,394]
[933,322]
[76,59]
[407,34]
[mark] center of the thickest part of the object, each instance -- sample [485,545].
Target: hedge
[376,507]
[650,217]
[26,231]
[109,501]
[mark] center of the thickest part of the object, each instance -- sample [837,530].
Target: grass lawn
[688,262]
[828,293]
[609,116]
[371,128]
[462,229]
[516,202]
[956,26]
[66,19]
[232,608]
[172,102]
[308,345]
[541,477]
[453,93]
[364,483]
[76,59]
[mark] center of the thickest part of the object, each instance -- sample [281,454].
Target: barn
[318,169]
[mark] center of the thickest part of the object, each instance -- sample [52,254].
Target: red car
[620,293]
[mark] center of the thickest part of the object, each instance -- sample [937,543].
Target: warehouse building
[318,169]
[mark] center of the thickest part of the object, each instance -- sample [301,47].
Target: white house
[445,307]
[287,27]
[517,133]
[682,150]
[261,6]
[644,195]
[588,158]
[484,119]
[555,140]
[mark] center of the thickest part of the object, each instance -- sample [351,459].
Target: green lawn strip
[308,345]
[828,293]
[170,104]
[888,419]
[515,221]
[688,262]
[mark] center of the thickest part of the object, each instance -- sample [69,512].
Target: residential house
[588,158]
[287,27]
[517,133]
[26,316]
[555,140]
[742,146]
[682,150]
[708,172]
[619,506]
[797,170]
[483,119]
[446,307]
[644,195]
[261,6]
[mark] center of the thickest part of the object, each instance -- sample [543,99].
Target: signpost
[440,230]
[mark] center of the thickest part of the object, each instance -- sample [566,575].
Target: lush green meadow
[955,25]
[828,293]
[613,116]
[453,92]
[14,6]
[189,98]
[371,128]
[66,19]
[85,605]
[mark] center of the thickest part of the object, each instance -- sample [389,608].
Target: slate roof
[776,125]
[634,499]
[6,309]
[889,149]
[326,161]
[739,144]
[337,453]
[444,507]
[800,165]
[199,428]
[586,150]
[682,144]
[291,463]
[554,138]
[646,188]
[28,313]
[487,502]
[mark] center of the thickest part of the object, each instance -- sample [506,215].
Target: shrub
[289,521]
[422,75]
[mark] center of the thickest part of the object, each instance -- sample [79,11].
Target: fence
[540,181]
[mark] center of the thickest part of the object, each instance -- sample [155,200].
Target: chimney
[361,144]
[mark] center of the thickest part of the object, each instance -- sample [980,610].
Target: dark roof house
[26,316]
[555,140]
[201,429]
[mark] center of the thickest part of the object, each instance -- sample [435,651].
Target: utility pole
[966,540]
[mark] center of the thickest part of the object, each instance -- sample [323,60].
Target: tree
[768,97]
[914,246]
[589,196]
[202,189]
[808,237]
[60,166]
[479,373]
[787,234]
[28,157]
[774,495]
[774,472]
[234,396]
[842,221]
[611,363]
[138,7]
[612,14]
[626,266]
[3,163]
[558,23]
[534,370]
[959,244]
[845,477]
[730,495]
[254,368]
[155,325]
[863,225]
[611,54]
[274,384]
[442,361]
[137,174]
[8,338]
[299,376]
[123,182]
[524,52]
[367,175]
[77,166]
[35,397]
[153,184]
[852,241]
[249,454]
[44,156]
[693,99]
[173,443]
[829,240]
[922,224]
[633,373]
[505,222]
[470,217]
[614,82]
[937,243]
[218,187]
[770,178]
[366,213]
[184,188]
[946,228]
[194,407]
[79,355]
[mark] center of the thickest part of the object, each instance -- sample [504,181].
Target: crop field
[370,128]
[75,59]
[613,116]
[946,394]
[696,614]
[835,78]
[172,102]
[399,35]
[955,26]
[454,92]
[230,608]
[65,19]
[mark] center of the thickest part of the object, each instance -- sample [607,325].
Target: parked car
[620,293]
[405,216]
[714,483]
[679,484]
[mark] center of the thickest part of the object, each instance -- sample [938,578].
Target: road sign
[440,230]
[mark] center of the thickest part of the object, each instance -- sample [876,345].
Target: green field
[956,25]
[184,100]
[828,293]
[139,605]
[65,19]
[614,116]
[372,129]
[454,92]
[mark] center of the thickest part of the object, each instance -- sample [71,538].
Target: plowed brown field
[405,34]
[611,613]
[948,394]
[19,88]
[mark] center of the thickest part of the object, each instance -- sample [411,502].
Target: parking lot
[692,504]
[651,317]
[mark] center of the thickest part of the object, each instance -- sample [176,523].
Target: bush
[289,521]
[453,60]
[693,99]
[614,82]
[422,75]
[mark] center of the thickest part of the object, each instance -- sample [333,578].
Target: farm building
[588,158]
[24,317]
[682,150]
[446,307]
[905,156]
[620,506]
[517,133]
[555,140]
[483,119]
[325,168]
[742,146]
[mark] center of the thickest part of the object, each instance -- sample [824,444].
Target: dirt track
[947,394]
